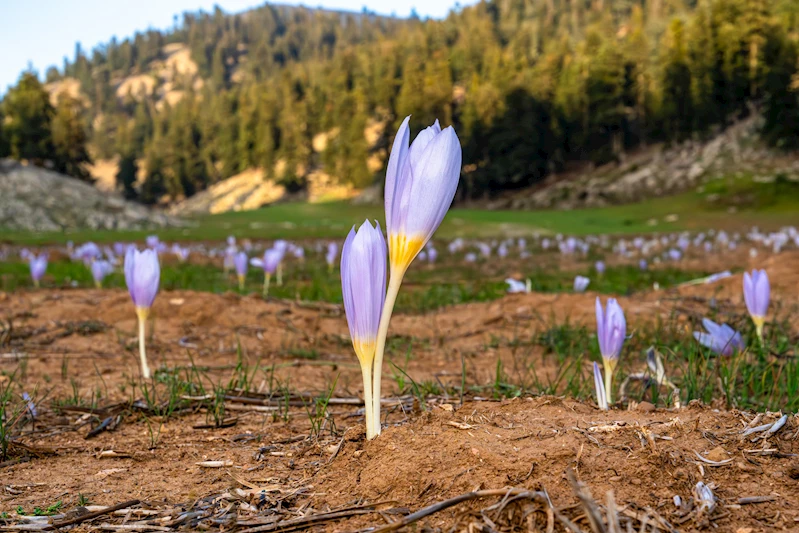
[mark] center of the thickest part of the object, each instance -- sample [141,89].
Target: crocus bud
[38,266]
[599,386]
[331,255]
[142,276]
[600,267]
[240,262]
[363,285]
[100,269]
[721,339]
[421,180]
[611,329]
[757,293]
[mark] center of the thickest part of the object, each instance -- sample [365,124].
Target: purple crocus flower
[516,286]
[152,242]
[363,286]
[421,180]
[142,276]
[432,255]
[611,330]
[331,255]
[240,261]
[600,267]
[269,264]
[181,253]
[721,339]
[757,293]
[30,405]
[642,264]
[38,266]
[471,257]
[581,283]
[100,269]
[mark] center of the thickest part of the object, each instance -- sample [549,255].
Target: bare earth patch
[266,469]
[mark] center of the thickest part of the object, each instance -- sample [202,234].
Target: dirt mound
[36,199]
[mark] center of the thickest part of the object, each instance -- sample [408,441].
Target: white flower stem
[279,275]
[382,331]
[366,370]
[609,366]
[142,313]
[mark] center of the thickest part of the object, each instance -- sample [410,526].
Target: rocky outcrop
[36,199]
[656,171]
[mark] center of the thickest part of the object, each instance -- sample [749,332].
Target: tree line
[531,86]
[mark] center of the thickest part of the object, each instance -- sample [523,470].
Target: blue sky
[42,32]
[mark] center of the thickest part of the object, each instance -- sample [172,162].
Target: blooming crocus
[227,262]
[142,276]
[432,255]
[152,242]
[363,286]
[30,405]
[421,180]
[281,246]
[642,264]
[757,293]
[581,283]
[100,269]
[611,329]
[331,255]
[515,286]
[599,386]
[721,339]
[240,261]
[181,253]
[599,266]
[38,266]
[269,264]
[471,257]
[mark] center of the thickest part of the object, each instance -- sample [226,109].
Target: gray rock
[37,199]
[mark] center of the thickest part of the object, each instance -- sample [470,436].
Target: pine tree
[28,114]
[70,154]
[126,176]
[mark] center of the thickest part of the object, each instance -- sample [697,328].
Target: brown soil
[644,456]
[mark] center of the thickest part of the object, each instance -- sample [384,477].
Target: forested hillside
[530,85]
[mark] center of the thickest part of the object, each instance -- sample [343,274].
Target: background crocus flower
[38,266]
[281,246]
[142,276]
[581,283]
[100,269]
[331,255]
[757,293]
[269,264]
[611,330]
[721,339]
[516,286]
[599,267]
[240,261]
[363,286]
